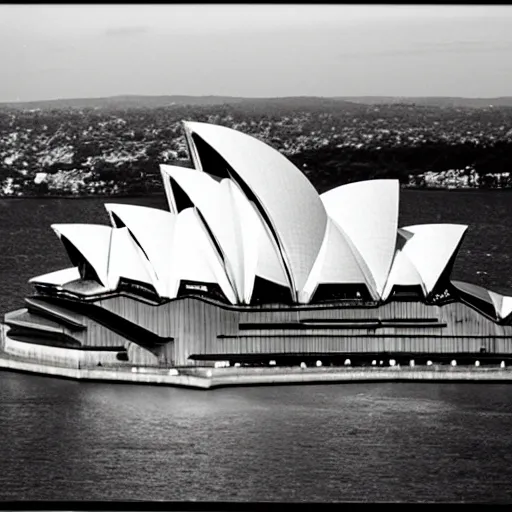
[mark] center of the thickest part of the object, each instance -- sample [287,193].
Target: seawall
[208,378]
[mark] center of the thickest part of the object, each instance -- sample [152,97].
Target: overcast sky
[78,51]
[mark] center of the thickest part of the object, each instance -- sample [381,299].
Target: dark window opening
[196,288]
[138,288]
[341,292]
[268,292]
[407,293]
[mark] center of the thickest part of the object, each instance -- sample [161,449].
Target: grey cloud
[431,48]
[126,31]
[54,70]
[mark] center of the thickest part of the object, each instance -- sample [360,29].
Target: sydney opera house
[250,264]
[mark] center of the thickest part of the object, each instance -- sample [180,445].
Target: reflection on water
[65,440]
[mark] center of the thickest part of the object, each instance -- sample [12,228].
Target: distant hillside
[292,102]
[122,102]
[134,101]
[434,101]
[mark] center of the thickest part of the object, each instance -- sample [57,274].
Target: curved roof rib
[402,273]
[266,174]
[168,191]
[270,264]
[215,202]
[235,226]
[367,211]
[126,259]
[259,254]
[336,263]
[92,241]
[195,257]
[245,235]
[153,231]
[111,252]
[431,248]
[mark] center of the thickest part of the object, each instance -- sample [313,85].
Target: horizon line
[132,95]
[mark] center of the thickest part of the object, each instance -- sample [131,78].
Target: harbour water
[68,440]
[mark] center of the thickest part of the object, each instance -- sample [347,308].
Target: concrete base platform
[207,378]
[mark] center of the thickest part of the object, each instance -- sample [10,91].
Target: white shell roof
[336,263]
[367,211]
[59,277]
[244,236]
[502,304]
[270,265]
[266,220]
[403,272]
[506,306]
[195,257]
[215,202]
[270,175]
[153,229]
[126,259]
[200,187]
[93,242]
[431,248]
[112,253]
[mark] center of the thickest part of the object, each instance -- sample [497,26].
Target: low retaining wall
[107,375]
[57,356]
[206,378]
[292,376]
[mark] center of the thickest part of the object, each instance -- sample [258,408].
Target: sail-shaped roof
[298,225]
[112,253]
[403,273]
[153,230]
[367,211]
[220,215]
[92,241]
[245,238]
[195,257]
[126,260]
[246,212]
[58,278]
[502,304]
[335,264]
[431,248]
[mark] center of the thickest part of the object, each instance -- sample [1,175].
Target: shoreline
[162,194]
[87,196]
[211,378]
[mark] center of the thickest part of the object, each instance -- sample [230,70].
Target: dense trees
[332,142]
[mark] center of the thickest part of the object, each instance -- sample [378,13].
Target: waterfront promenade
[207,378]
